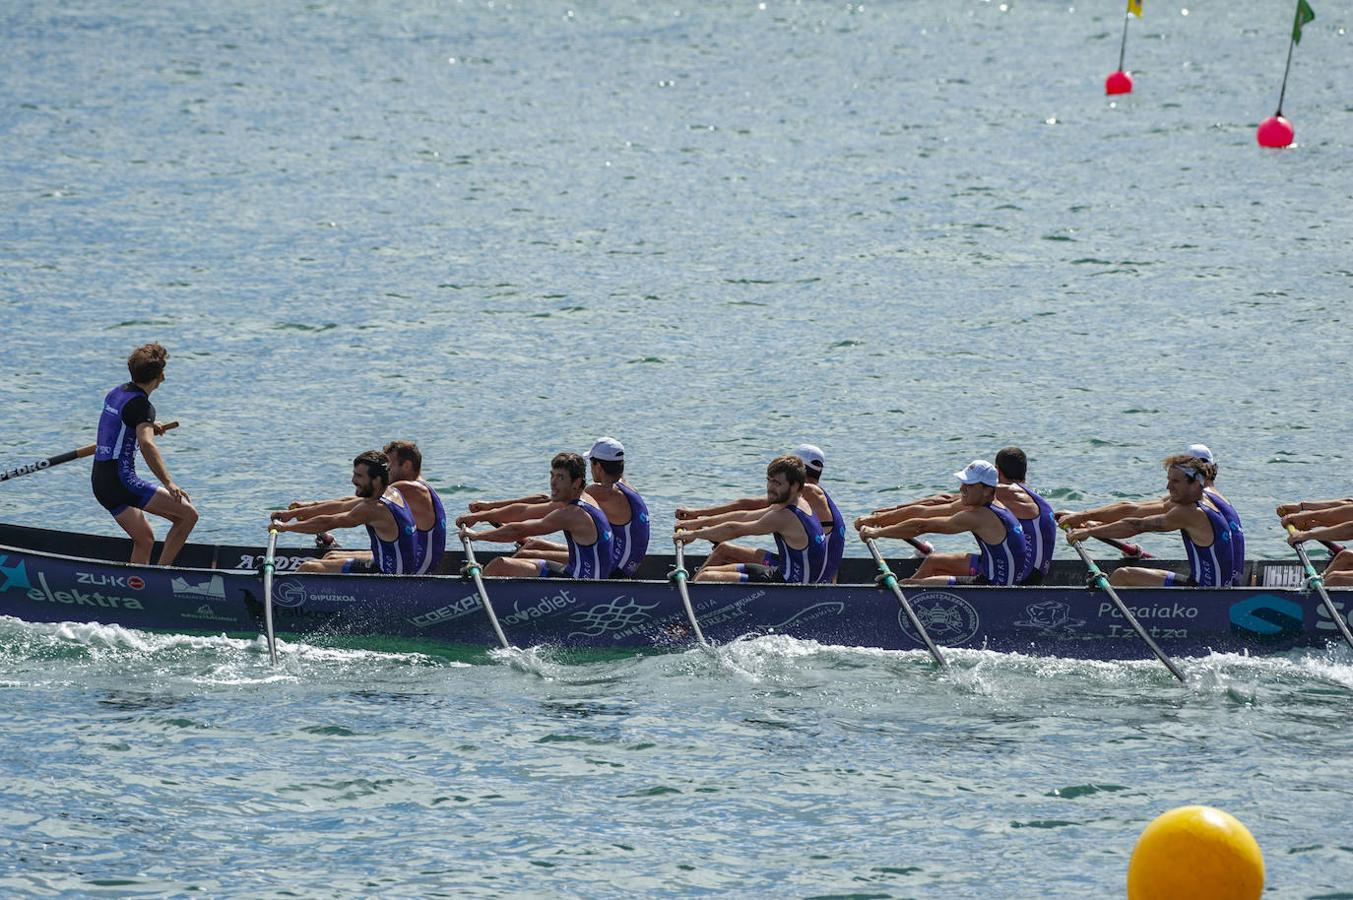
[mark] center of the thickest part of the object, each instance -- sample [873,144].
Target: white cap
[979,471]
[607,449]
[812,457]
[1200,451]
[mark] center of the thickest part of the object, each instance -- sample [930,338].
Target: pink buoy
[1119,82]
[1275,131]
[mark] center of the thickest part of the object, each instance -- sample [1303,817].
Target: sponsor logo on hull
[463,607]
[542,607]
[206,612]
[292,594]
[1266,614]
[16,576]
[621,615]
[1051,617]
[1154,611]
[212,588]
[80,598]
[104,579]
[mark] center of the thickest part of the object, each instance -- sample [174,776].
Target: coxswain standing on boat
[127,424]
[1115,512]
[1323,520]
[625,510]
[829,518]
[1035,515]
[1003,553]
[379,507]
[1206,534]
[586,531]
[800,544]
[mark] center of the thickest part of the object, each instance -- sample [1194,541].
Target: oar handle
[472,565]
[890,580]
[1102,582]
[1316,581]
[269,565]
[679,576]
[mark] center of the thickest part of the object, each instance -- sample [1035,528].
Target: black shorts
[114,494]
[360,567]
[969,579]
[1035,577]
[759,573]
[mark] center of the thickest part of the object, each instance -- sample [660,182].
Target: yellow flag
[1135,7]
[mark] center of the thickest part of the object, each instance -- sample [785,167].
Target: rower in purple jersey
[1206,533]
[586,531]
[381,510]
[406,474]
[1034,513]
[1223,506]
[799,540]
[1002,556]
[625,510]
[127,424]
[749,509]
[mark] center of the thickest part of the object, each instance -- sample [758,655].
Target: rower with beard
[1003,554]
[801,546]
[429,515]
[379,507]
[829,517]
[1115,512]
[625,510]
[586,530]
[1206,533]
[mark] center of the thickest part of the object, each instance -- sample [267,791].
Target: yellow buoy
[1196,853]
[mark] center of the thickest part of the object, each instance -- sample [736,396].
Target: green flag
[1304,14]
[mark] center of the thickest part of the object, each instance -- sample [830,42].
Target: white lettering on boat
[1163,611]
[47,595]
[461,608]
[544,606]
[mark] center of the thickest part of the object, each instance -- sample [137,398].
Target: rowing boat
[55,576]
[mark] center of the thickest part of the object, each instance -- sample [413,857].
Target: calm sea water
[909,232]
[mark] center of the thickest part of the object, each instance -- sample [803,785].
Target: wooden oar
[81,453]
[1131,551]
[679,575]
[1314,580]
[890,580]
[269,563]
[472,566]
[1102,582]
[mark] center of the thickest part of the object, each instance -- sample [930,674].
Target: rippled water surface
[909,232]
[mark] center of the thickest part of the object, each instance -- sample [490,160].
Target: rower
[1339,572]
[824,508]
[429,516]
[1003,553]
[127,424]
[802,547]
[625,510]
[1206,534]
[1115,512]
[586,530]
[377,505]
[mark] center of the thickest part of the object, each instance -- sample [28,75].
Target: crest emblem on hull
[948,618]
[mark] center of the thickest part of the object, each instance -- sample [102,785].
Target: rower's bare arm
[145,434]
[748,515]
[705,512]
[477,506]
[935,523]
[514,512]
[1341,532]
[1324,517]
[1286,509]
[931,506]
[513,532]
[766,523]
[1116,512]
[359,514]
[1174,520]
[318,508]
